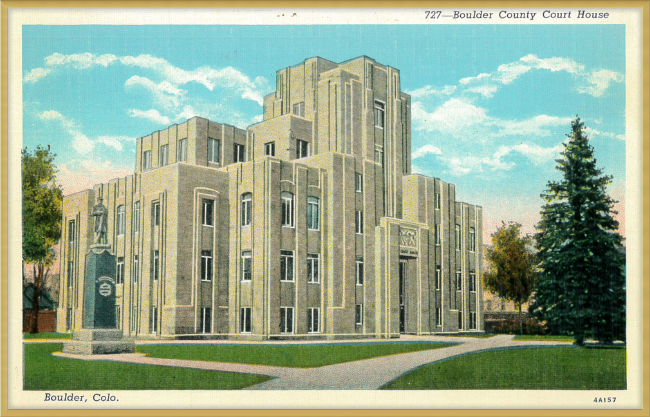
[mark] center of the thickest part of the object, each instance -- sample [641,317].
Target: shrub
[529,327]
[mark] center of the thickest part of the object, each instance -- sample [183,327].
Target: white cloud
[507,73]
[594,132]
[114,142]
[554,64]
[426,150]
[78,175]
[486,90]
[79,61]
[164,94]
[152,115]
[599,82]
[535,126]
[468,80]
[453,116]
[36,74]
[538,154]
[428,90]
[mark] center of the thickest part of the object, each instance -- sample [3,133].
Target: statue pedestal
[99,334]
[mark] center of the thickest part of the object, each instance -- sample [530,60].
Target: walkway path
[365,374]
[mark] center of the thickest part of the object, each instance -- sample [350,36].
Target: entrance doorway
[402,296]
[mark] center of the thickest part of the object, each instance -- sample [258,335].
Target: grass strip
[543,338]
[47,335]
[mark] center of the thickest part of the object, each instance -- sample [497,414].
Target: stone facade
[307,224]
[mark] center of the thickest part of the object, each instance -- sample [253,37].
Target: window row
[287,209]
[471,244]
[120,220]
[163,155]
[287,269]
[154,272]
[287,320]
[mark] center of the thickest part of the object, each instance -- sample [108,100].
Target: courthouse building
[307,224]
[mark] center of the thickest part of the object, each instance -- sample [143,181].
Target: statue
[100,213]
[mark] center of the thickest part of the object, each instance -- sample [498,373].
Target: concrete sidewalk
[367,374]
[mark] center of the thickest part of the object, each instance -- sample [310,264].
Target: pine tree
[581,287]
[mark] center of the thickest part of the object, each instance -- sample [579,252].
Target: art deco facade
[307,224]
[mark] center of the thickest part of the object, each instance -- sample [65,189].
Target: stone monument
[99,334]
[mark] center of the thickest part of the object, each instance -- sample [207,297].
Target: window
[472,320]
[164,155]
[301,149]
[154,320]
[438,234]
[269,149]
[286,265]
[246,266]
[155,213]
[286,319]
[358,182]
[120,223]
[181,152]
[71,231]
[134,319]
[136,269]
[359,271]
[120,270]
[313,213]
[214,150]
[460,320]
[472,239]
[146,160]
[358,314]
[379,114]
[437,201]
[245,320]
[299,109]
[206,320]
[208,208]
[206,265]
[68,319]
[136,217]
[438,278]
[155,265]
[238,152]
[246,209]
[472,281]
[359,222]
[459,280]
[438,316]
[379,156]
[287,209]
[458,242]
[313,320]
[70,273]
[313,268]
[118,317]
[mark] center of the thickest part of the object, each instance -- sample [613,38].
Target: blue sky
[491,104]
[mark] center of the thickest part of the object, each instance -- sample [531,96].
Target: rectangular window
[181,152]
[134,319]
[358,314]
[460,320]
[120,270]
[136,269]
[238,152]
[313,213]
[269,149]
[120,222]
[245,320]
[118,317]
[68,319]
[379,114]
[302,149]
[286,265]
[208,208]
[438,278]
[286,319]
[146,160]
[313,268]
[164,155]
[358,182]
[155,213]
[214,150]
[299,109]
[472,239]
[206,320]
[379,156]
[70,273]
[438,316]
[136,217]
[246,266]
[154,320]
[472,281]
[459,280]
[438,234]
[287,209]
[458,242]
[359,222]
[437,201]
[246,209]
[313,320]
[71,231]
[155,265]
[472,320]
[359,271]
[206,265]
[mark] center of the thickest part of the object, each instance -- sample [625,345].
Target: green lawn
[46,372]
[567,368]
[481,336]
[47,335]
[544,338]
[297,356]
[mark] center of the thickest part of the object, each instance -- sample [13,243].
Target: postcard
[428,208]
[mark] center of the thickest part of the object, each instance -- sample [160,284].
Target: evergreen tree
[581,287]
